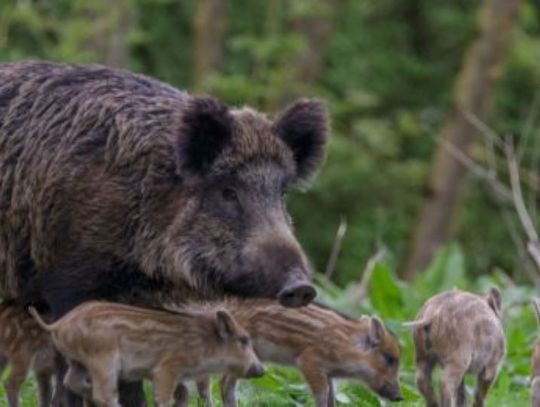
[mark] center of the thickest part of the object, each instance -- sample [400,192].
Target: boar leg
[452,376]
[20,365]
[205,394]
[227,386]
[424,372]
[484,381]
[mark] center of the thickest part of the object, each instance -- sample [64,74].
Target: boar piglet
[461,332]
[535,371]
[322,343]
[23,344]
[115,341]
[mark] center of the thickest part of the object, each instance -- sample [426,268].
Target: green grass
[396,302]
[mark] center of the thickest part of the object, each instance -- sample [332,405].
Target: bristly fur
[110,164]
[304,128]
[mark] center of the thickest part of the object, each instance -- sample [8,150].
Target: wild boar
[321,342]
[115,186]
[23,344]
[461,332]
[122,187]
[115,341]
[535,370]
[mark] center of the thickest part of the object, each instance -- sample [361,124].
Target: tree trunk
[209,36]
[474,93]
[315,27]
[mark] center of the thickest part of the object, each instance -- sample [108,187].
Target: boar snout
[255,370]
[297,292]
[390,391]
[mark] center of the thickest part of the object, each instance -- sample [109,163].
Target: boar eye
[229,195]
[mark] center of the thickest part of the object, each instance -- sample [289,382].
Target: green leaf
[385,293]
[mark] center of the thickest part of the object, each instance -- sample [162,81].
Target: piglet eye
[244,341]
[229,195]
[390,360]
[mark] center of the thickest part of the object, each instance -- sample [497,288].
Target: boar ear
[304,128]
[224,325]
[494,300]
[206,131]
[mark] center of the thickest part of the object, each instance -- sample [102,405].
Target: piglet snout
[391,391]
[255,370]
[298,292]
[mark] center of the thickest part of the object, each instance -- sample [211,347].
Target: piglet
[114,341]
[461,332]
[322,343]
[23,344]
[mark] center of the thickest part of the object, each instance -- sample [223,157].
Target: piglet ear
[374,335]
[494,300]
[304,128]
[376,331]
[206,131]
[224,325]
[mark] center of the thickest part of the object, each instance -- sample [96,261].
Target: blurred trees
[473,95]
[386,67]
[210,23]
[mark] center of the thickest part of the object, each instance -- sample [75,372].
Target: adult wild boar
[117,186]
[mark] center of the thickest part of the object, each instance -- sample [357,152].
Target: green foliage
[397,302]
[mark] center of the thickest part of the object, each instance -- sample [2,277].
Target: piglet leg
[424,372]
[165,384]
[316,379]
[44,388]
[227,385]
[484,381]
[104,379]
[181,395]
[205,395]
[331,395]
[452,376]
[461,395]
[20,365]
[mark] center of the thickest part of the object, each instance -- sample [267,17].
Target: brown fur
[23,343]
[114,341]
[321,343]
[535,363]
[463,333]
